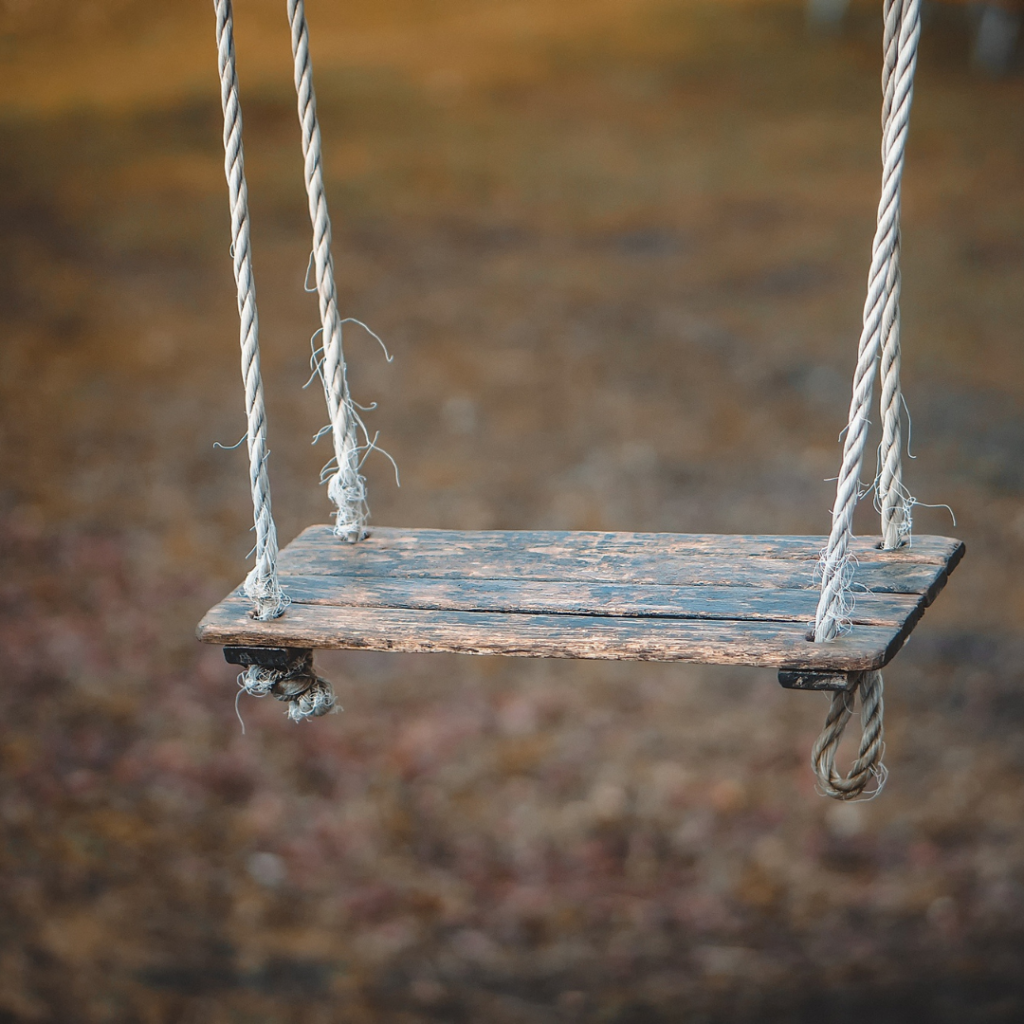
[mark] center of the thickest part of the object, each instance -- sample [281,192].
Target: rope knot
[296,682]
[317,700]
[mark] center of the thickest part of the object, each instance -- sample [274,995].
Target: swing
[826,612]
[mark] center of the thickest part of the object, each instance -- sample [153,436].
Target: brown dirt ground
[618,249]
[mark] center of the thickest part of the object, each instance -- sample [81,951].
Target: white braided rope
[347,488]
[261,585]
[903,28]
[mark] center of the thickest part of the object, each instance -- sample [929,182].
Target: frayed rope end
[268,599]
[348,493]
[307,694]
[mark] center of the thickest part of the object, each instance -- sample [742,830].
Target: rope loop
[868,764]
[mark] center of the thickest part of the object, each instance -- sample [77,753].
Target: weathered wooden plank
[770,645]
[804,680]
[552,557]
[584,546]
[764,573]
[281,658]
[659,597]
[586,598]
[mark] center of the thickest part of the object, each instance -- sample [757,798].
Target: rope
[347,488]
[261,585]
[308,695]
[893,501]
[881,318]
[868,765]
[880,339]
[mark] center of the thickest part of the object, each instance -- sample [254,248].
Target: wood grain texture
[653,559]
[586,598]
[768,644]
[582,546]
[652,597]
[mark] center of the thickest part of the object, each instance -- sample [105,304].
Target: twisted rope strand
[892,499]
[880,339]
[882,296]
[261,585]
[347,488]
[868,764]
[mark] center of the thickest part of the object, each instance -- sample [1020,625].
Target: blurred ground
[618,249]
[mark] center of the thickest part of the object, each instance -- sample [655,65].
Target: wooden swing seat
[728,600]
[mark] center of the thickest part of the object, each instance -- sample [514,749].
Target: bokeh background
[618,248]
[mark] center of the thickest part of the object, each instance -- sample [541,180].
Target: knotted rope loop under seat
[880,331]
[868,764]
[261,585]
[307,694]
[346,488]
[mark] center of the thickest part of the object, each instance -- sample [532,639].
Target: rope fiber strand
[261,585]
[346,487]
[879,340]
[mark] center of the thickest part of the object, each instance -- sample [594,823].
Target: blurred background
[618,248]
